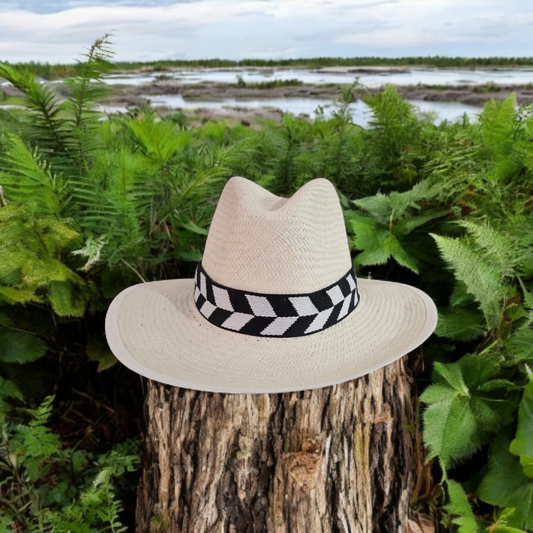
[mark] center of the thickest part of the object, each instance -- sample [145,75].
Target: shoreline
[474,95]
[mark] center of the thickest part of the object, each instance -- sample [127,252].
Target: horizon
[528,59]
[60,31]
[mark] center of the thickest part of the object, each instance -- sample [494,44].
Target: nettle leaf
[397,251]
[459,505]
[408,224]
[379,205]
[506,529]
[378,244]
[498,384]
[378,256]
[9,390]
[11,296]
[66,298]
[368,235]
[501,525]
[6,319]
[397,203]
[506,485]
[451,374]
[450,430]
[520,346]
[460,324]
[460,295]
[527,465]
[522,444]
[459,417]
[98,350]
[20,347]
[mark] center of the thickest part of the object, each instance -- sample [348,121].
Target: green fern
[481,276]
[458,505]
[27,179]
[497,126]
[47,128]
[85,90]
[159,140]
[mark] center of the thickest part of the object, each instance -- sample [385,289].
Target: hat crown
[259,242]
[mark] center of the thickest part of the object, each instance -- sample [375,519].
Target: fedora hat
[275,305]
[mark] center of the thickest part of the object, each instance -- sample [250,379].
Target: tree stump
[333,460]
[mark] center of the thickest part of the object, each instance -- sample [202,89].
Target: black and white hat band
[275,315]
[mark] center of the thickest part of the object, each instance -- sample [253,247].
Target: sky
[61,31]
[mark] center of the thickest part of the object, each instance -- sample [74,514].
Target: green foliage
[459,506]
[271,84]
[28,179]
[506,485]
[391,229]
[460,324]
[32,248]
[522,445]
[463,408]
[20,346]
[480,275]
[90,206]
[55,489]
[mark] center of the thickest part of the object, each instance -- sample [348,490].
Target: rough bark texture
[330,460]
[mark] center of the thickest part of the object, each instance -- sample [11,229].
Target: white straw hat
[274,307]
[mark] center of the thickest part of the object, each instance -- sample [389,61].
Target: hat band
[275,315]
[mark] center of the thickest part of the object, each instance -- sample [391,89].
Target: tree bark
[333,460]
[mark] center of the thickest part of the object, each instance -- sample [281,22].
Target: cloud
[59,31]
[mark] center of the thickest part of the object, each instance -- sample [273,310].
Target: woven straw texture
[261,243]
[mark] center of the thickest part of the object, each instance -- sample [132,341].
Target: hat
[275,305]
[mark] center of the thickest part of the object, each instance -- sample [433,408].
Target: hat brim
[156,330]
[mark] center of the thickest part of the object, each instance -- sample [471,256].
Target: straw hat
[274,306]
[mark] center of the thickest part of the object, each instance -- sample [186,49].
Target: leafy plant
[90,204]
[55,489]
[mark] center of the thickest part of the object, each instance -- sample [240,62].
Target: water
[376,78]
[361,113]
[370,77]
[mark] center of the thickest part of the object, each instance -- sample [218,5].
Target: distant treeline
[48,71]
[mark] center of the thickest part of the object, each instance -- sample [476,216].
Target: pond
[360,111]
[375,77]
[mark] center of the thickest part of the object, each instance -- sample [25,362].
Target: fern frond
[482,277]
[497,125]
[504,249]
[48,129]
[159,140]
[27,178]
[86,89]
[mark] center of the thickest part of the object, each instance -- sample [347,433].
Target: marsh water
[369,77]
[360,112]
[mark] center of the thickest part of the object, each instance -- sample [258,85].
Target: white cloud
[258,28]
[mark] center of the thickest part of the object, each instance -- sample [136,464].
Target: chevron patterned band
[275,315]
